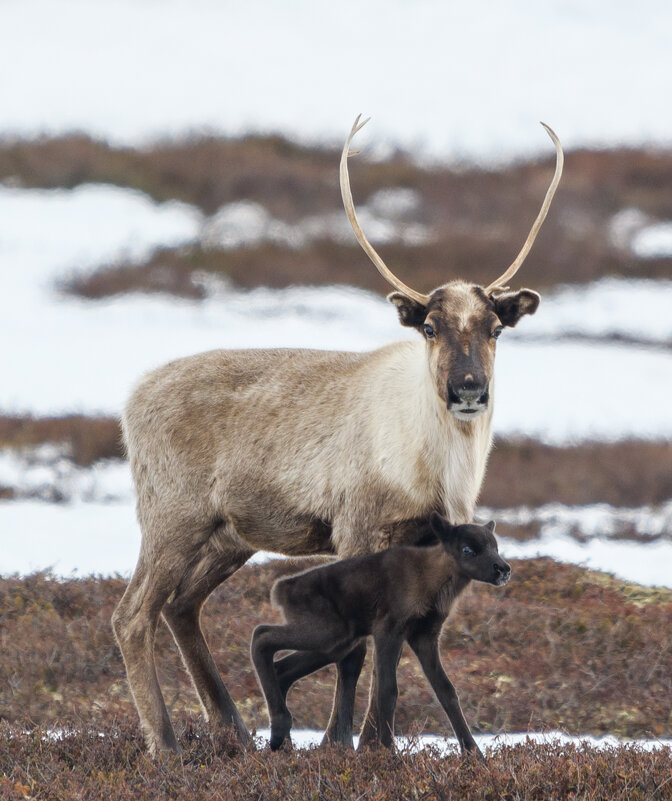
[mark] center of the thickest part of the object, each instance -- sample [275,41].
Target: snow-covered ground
[488,743]
[132,70]
[448,79]
[96,537]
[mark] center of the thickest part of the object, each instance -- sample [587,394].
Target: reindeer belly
[265,519]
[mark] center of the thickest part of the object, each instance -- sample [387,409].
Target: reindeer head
[474,549]
[460,321]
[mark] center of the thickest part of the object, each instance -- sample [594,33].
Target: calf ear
[441,526]
[411,313]
[511,306]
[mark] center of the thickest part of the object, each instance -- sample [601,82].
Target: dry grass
[207,172]
[87,439]
[85,765]
[630,473]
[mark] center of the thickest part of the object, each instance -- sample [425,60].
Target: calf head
[474,549]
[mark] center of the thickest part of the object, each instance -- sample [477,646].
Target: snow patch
[636,308]
[48,473]
[246,223]
[72,78]
[96,531]
[593,520]
[307,738]
[654,242]
[648,565]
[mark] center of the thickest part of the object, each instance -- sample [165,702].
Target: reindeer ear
[441,526]
[411,313]
[490,526]
[511,306]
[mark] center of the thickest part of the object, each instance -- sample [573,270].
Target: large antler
[500,283]
[357,228]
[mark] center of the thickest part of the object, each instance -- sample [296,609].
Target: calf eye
[467,550]
[430,333]
[497,332]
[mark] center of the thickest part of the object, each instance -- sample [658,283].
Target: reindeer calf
[401,594]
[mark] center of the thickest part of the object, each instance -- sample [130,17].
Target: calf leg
[369,731]
[387,653]
[339,729]
[295,666]
[425,645]
[316,637]
[298,664]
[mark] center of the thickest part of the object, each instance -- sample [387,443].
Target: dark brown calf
[402,594]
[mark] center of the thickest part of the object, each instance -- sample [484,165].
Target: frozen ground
[450,79]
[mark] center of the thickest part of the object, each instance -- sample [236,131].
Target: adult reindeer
[304,452]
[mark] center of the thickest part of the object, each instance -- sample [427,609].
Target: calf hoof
[280,728]
[276,741]
[474,752]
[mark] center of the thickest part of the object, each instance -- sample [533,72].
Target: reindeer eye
[467,550]
[497,332]
[430,333]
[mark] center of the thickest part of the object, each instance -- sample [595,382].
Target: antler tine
[520,258]
[346,194]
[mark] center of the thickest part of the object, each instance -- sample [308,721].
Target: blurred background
[169,184]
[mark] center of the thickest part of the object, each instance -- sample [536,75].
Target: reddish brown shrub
[87,438]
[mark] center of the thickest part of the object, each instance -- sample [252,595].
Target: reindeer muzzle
[468,400]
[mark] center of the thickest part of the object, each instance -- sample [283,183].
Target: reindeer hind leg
[135,620]
[208,569]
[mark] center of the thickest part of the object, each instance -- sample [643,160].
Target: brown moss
[87,438]
[82,764]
